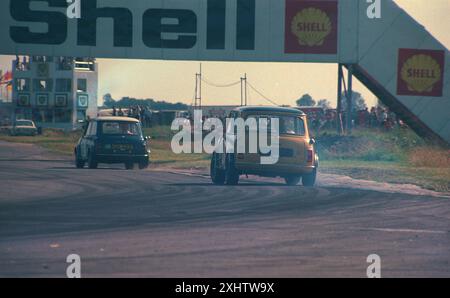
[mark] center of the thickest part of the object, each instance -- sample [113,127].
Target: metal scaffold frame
[344,118]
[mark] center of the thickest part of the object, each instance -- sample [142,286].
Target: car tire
[79,163]
[143,165]
[129,165]
[292,180]
[217,174]
[231,173]
[92,162]
[309,180]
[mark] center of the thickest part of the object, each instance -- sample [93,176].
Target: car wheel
[309,180]
[129,165]
[79,163]
[143,165]
[217,174]
[231,173]
[292,180]
[92,162]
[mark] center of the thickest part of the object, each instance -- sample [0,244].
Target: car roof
[123,119]
[269,109]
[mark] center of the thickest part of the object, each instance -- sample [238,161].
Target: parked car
[298,158]
[113,140]
[23,128]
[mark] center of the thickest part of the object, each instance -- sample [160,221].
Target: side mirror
[312,141]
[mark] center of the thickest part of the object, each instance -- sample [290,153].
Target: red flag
[7,78]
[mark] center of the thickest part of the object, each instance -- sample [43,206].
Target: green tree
[358,102]
[324,103]
[127,102]
[108,101]
[306,101]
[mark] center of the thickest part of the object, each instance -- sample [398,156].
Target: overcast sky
[174,81]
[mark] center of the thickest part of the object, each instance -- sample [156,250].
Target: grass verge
[437,179]
[52,140]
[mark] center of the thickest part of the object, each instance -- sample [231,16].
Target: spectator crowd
[377,118]
[141,113]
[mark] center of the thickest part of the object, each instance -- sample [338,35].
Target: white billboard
[226,30]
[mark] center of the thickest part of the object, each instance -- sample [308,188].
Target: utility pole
[244,91]
[198,89]
[246,102]
[1,86]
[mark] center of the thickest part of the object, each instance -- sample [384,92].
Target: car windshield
[289,125]
[121,128]
[24,123]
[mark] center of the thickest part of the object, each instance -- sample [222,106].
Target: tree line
[128,102]
[358,102]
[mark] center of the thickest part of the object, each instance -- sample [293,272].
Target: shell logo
[42,100]
[23,100]
[60,101]
[420,73]
[311,26]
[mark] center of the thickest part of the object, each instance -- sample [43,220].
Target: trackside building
[54,92]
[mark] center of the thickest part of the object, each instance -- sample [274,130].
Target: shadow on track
[243,184]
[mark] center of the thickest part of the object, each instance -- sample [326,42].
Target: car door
[87,139]
[82,144]
[91,138]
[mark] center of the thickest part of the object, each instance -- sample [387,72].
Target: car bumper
[275,170]
[122,158]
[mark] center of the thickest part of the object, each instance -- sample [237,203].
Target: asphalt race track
[158,224]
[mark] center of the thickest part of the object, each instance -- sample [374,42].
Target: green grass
[369,145]
[53,140]
[397,156]
[162,155]
[433,178]
[159,133]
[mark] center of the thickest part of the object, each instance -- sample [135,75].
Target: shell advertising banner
[311,27]
[420,72]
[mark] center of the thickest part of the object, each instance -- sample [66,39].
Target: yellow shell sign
[420,73]
[311,26]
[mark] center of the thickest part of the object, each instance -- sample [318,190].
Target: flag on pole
[7,78]
[1,87]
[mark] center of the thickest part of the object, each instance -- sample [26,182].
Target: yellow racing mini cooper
[297,156]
